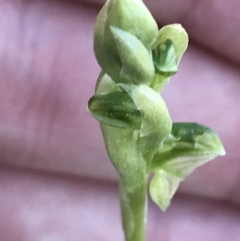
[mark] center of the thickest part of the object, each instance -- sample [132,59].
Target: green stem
[134,211]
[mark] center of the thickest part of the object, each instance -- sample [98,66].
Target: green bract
[137,61]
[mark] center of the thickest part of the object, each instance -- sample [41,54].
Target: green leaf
[188,146]
[115,109]
[137,65]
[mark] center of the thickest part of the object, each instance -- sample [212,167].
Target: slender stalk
[134,212]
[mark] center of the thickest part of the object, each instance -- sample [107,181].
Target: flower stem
[134,211]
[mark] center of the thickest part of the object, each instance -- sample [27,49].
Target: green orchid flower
[137,61]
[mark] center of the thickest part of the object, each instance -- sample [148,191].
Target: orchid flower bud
[131,17]
[167,51]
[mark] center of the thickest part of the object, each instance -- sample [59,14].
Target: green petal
[133,17]
[165,58]
[162,188]
[137,65]
[115,109]
[177,34]
[104,45]
[187,147]
[156,122]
